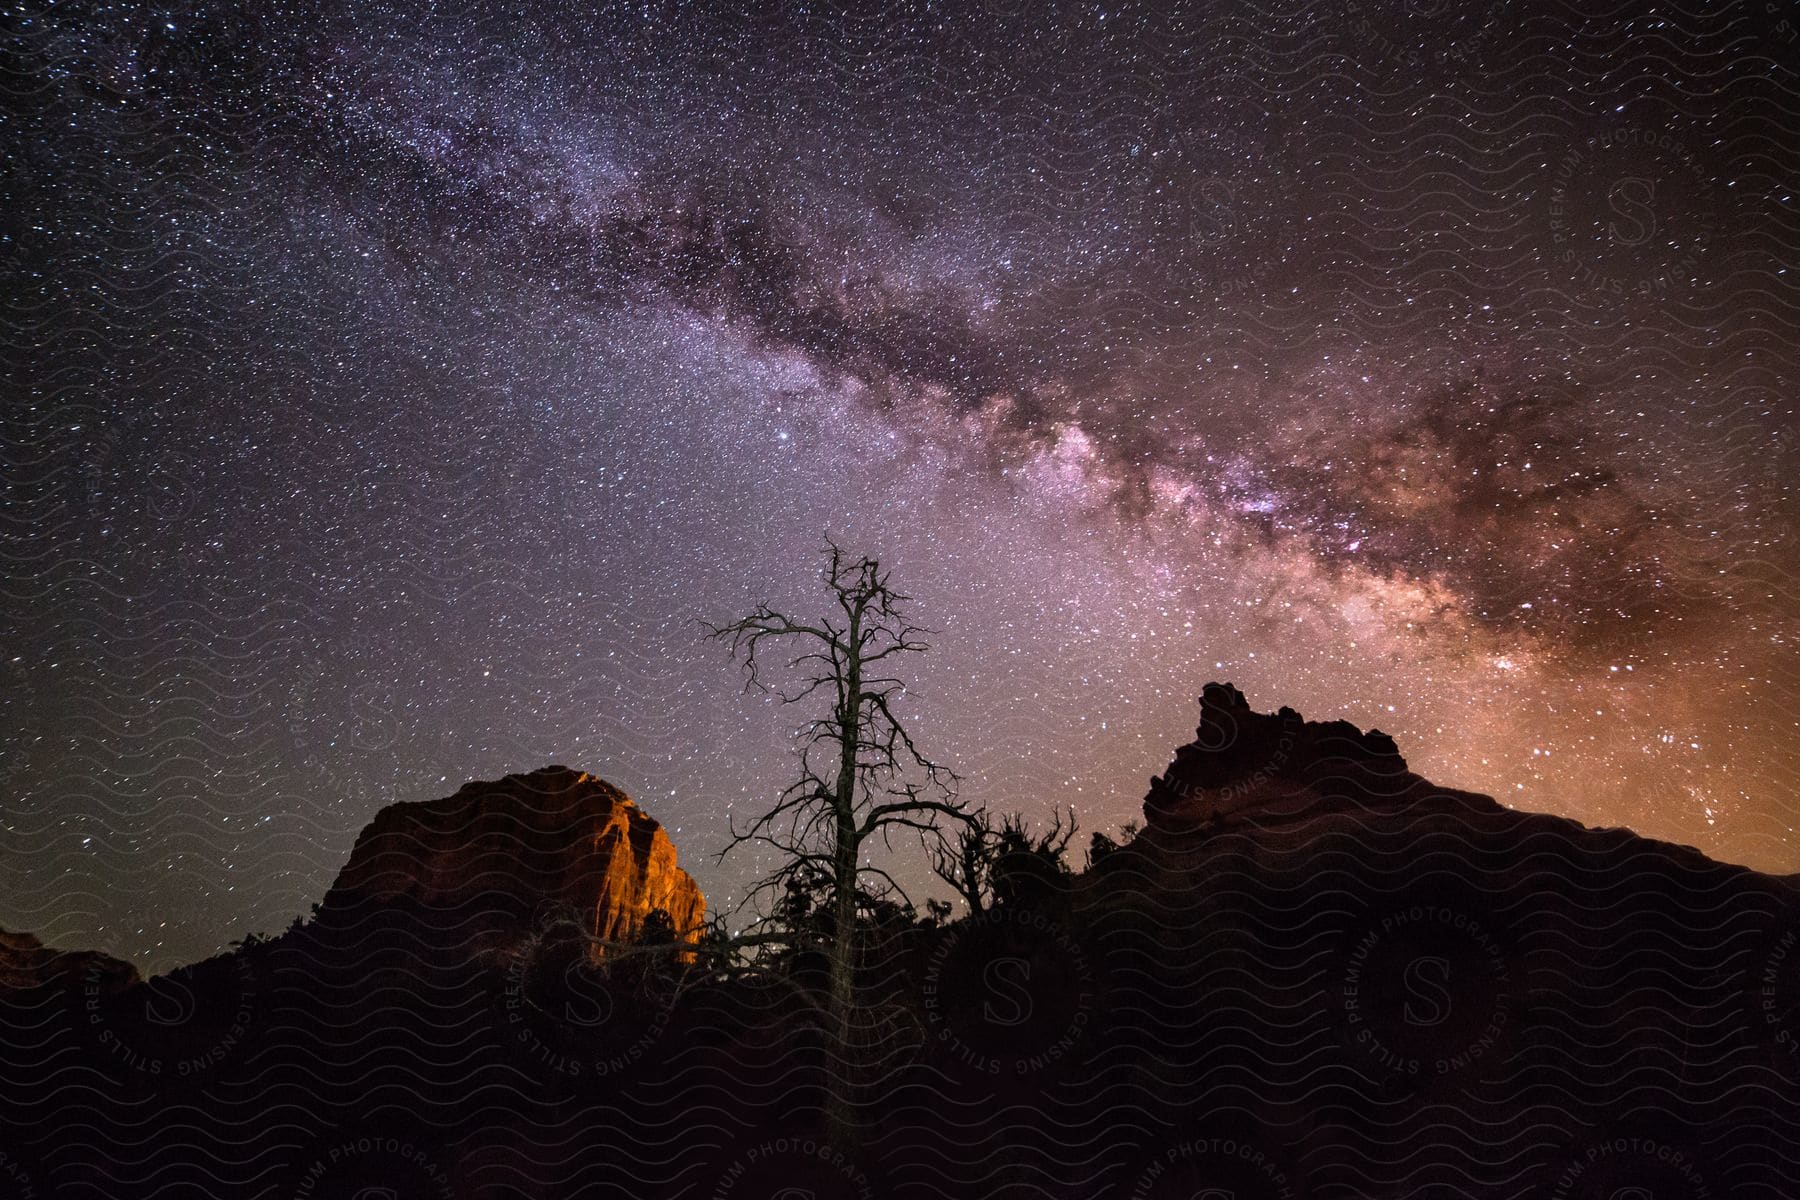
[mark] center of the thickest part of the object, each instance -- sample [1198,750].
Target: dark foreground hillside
[1312,975]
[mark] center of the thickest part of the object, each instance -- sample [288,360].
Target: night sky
[389,390]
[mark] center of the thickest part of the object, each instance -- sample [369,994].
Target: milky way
[392,390]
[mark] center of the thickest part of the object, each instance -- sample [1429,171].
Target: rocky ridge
[1244,765]
[25,963]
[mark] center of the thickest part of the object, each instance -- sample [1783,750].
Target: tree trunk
[841,1067]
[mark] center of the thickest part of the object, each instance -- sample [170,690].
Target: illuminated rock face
[510,854]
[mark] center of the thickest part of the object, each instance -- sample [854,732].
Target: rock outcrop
[26,963]
[1289,785]
[505,855]
[1269,766]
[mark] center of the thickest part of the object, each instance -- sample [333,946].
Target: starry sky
[391,388]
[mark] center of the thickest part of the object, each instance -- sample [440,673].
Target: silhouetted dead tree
[861,776]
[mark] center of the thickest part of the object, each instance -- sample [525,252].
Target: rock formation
[1243,763]
[513,852]
[25,962]
[1289,785]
